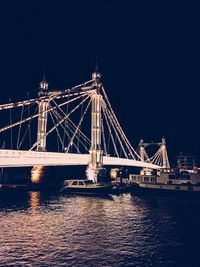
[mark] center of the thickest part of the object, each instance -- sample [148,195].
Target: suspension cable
[73,125]
[116,133]
[58,117]
[29,126]
[22,140]
[68,127]
[104,139]
[58,134]
[53,128]
[11,137]
[56,94]
[122,132]
[20,126]
[36,115]
[66,112]
[79,124]
[114,145]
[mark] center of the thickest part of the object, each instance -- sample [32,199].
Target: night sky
[148,56]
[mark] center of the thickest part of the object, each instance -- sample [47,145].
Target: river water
[58,230]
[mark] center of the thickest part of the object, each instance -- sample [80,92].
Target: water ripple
[127,230]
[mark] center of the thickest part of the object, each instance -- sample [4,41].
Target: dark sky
[148,56]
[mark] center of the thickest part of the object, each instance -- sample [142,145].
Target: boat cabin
[167,177]
[79,183]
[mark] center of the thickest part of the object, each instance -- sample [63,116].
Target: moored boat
[86,187]
[184,178]
[167,180]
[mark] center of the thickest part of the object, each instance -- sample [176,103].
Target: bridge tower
[164,154]
[95,170]
[141,149]
[37,172]
[42,118]
[143,171]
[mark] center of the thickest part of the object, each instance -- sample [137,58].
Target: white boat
[86,187]
[167,180]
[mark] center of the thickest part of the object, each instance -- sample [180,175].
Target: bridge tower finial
[43,84]
[96,75]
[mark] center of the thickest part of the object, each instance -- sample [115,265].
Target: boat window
[177,187]
[172,176]
[190,188]
[169,182]
[184,172]
[81,183]
[74,183]
[186,176]
[88,182]
[134,178]
[153,179]
[146,179]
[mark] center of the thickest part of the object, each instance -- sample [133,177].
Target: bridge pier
[37,171]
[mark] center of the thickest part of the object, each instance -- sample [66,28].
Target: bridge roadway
[22,158]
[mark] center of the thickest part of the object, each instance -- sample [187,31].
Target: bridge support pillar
[142,151]
[42,118]
[95,170]
[164,155]
[37,171]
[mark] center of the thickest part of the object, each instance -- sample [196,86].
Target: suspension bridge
[65,118]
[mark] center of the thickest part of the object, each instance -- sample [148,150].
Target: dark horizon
[148,56]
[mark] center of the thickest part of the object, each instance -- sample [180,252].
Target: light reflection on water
[34,200]
[55,230]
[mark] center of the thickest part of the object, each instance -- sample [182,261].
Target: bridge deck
[21,158]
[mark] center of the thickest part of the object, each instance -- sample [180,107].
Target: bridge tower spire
[95,170]
[42,118]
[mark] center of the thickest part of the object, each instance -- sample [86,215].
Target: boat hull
[167,189]
[101,190]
